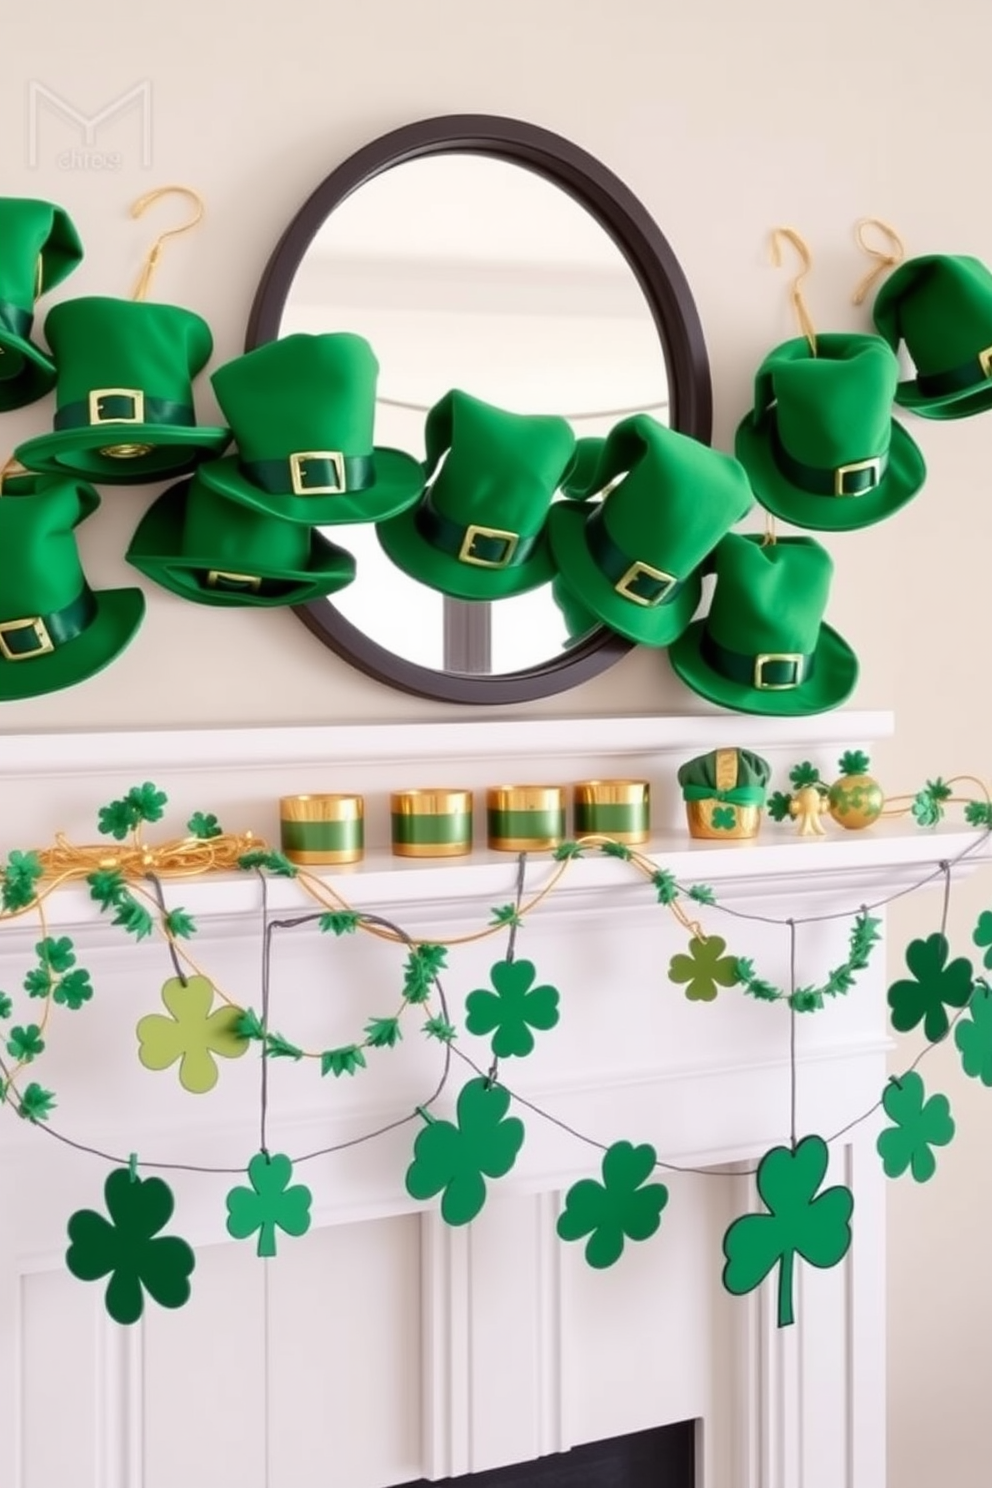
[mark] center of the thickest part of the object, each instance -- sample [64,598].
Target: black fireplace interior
[661,1458]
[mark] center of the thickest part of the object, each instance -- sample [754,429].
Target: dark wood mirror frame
[669,299]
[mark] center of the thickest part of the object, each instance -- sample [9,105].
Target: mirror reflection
[464,271]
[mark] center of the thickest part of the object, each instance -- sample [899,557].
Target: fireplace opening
[660,1458]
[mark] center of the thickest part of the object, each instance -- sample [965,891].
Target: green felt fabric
[30,231]
[939,306]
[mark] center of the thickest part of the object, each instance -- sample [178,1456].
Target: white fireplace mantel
[385,1346]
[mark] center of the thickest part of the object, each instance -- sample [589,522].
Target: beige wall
[725,118]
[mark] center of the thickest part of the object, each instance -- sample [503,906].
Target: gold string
[799,243]
[770,537]
[885,258]
[154,253]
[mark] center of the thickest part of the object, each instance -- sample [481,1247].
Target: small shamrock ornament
[799,1221]
[856,799]
[128,1248]
[919,1125]
[973,1035]
[513,1009]
[20,877]
[928,804]
[193,1034]
[705,969]
[455,1158]
[623,1207]
[270,1204]
[983,937]
[935,987]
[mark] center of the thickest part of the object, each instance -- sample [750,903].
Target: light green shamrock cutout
[270,1204]
[454,1159]
[705,969]
[919,1125]
[623,1206]
[935,984]
[983,936]
[799,1222]
[513,1009]
[973,1035]
[724,817]
[193,1034]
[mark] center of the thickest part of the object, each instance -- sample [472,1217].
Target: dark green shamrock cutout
[724,817]
[269,1204]
[919,1125]
[129,1249]
[935,985]
[705,969]
[454,1159]
[513,1009]
[983,936]
[799,1222]
[973,1035]
[623,1206]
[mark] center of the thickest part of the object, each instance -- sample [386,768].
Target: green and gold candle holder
[431,823]
[322,829]
[620,809]
[525,818]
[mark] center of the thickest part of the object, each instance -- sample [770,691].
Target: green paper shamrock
[270,1204]
[799,1222]
[778,805]
[706,968]
[804,774]
[37,1104]
[928,804]
[919,1125]
[973,1035]
[129,1249]
[457,1157]
[854,762]
[20,875]
[513,1009]
[978,813]
[623,1206]
[983,936]
[25,1044]
[724,817]
[935,985]
[204,825]
[193,1034]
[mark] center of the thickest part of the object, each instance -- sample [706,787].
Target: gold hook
[11,466]
[155,251]
[885,259]
[795,289]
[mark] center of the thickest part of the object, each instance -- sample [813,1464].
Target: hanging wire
[154,253]
[803,319]
[885,258]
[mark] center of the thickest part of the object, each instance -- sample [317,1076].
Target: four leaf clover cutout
[514,1008]
[706,968]
[454,1159]
[623,1207]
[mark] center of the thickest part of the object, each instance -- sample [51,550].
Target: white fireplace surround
[384,1346]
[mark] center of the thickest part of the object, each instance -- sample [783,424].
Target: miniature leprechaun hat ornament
[302,410]
[39,247]
[55,630]
[820,446]
[763,647]
[480,529]
[215,551]
[724,792]
[939,307]
[634,557]
[124,395]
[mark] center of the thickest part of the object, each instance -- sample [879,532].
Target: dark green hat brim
[960,404]
[118,614]
[904,475]
[33,379]
[176,450]
[156,547]
[835,673]
[420,559]
[399,480]
[650,625]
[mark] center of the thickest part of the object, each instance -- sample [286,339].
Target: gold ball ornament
[856,799]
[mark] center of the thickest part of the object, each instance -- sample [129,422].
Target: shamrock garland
[864,937]
[513,1009]
[919,1124]
[623,1207]
[454,1159]
[934,987]
[270,1204]
[705,969]
[193,1034]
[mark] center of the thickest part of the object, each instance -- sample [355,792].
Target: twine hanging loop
[154,253]
[799,305]
[885,258]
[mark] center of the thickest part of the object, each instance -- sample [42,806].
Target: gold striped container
[620,809]
[431,823]
[322,829]
[525,818]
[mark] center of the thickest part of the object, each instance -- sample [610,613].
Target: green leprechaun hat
[302,411]
[700,778]
[940,307]
[763,647]
[821,447]
[578,620]
[480,529]
[634,557]
[205,547]
[39,247]
[55,630]
[124,392]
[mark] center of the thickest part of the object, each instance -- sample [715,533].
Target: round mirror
[489,256]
